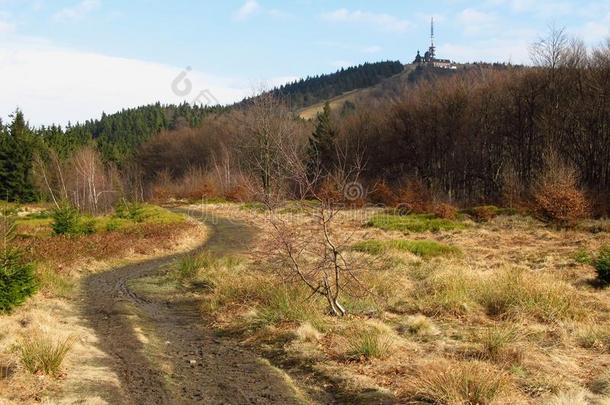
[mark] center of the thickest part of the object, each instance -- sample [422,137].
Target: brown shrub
[383,194]
[329,191]
[558,198]
[200,190]
[415,197]
[239,193]
[161,193]
[484,213]
[445,211]
[63,251]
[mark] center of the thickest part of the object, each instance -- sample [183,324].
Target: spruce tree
[321,152]
[16,150]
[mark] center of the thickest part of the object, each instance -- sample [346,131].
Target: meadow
[508,310]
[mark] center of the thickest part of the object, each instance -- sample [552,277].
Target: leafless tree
[314,253]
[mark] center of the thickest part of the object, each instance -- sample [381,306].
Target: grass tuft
[508,293]
[418,325]
[43,355]
[187,267]
[470,383]
[497,345]
[282,304]
[515,292]
[370,342]
[308,333]
[593,337]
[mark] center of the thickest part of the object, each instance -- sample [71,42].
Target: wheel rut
[188,363]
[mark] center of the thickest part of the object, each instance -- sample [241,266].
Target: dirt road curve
[162,349]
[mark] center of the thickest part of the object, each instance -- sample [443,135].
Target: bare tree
[550,52]
[314,253]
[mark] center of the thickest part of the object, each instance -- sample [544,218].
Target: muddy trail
[164,351]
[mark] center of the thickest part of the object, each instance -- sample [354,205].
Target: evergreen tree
[16,150]
[321,151]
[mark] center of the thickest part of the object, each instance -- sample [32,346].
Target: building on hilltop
[429,58]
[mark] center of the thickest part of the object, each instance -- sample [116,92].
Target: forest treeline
[312,90]
[482,135]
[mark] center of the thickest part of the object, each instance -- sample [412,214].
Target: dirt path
[162,349]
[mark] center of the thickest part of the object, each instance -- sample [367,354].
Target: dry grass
[369,341]
[418,325]
[63,251]
[37,335]
[308,333]
[467,383]
[513,319]
[42,354]
[498,344]
[507,293]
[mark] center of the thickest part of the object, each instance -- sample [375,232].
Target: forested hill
[312,90]
[118,135]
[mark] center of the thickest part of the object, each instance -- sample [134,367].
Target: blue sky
[72,59]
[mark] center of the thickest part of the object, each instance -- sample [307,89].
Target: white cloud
[77,11]
[382,21]
[57,85]
[592,32]
[475,21]
[472,16]
[247,10]
[493,50]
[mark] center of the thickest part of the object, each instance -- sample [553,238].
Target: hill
[312,90]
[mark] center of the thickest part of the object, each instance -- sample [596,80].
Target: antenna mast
[432,48]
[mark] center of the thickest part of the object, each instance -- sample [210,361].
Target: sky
[70,60]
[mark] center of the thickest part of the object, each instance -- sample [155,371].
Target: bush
[415,197]
[17,280]
[445,211]
[383,194]
[66,220]
[602,264]
[42,355]
[558,198]
[133,211]
[484,213]
[87,226]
